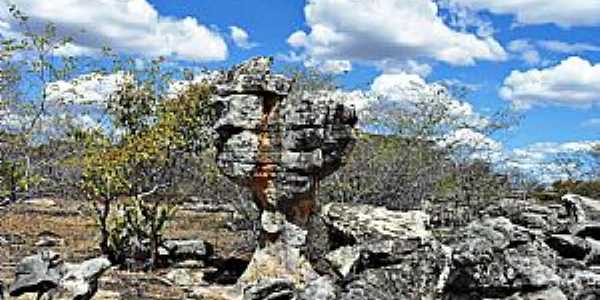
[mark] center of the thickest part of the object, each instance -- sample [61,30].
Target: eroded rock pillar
[280,144]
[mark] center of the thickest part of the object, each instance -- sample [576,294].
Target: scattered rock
[80,281]
[187,249]
[323,288]
[180,277]
[37,274]
[48,239]
[107,295]
[41,202]
[421,274]
[270,289]
[46,273]
[344,259]
[495,258]
[581,284]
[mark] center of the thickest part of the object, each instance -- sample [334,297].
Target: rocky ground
[517,250]
[69,229]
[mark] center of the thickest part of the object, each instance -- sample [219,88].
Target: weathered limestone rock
[279,143]
[495,258]
[186,249]
[37,274]
[271,289]
[366,223]
[46,275]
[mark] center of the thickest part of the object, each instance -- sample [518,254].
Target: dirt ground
[23,225]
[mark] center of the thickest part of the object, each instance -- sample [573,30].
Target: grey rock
[45,274]
[581,284]
[344,259]
[323,288]
[553,293]
[495,258]
[421,274]
[187,249]
[365,223]
[180,277]
[270,289]
[80,281]
[1,290]
[37,274]
[279,143]
[569,246]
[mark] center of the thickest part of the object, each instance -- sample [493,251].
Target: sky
[537,58]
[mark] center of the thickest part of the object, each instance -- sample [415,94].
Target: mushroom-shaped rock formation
[279,143]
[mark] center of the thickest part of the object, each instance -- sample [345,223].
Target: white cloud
[88,89]
[549,162]
[460,127]
[132,26]
[525,50]
[241,38]
[573,82]
[413,89]
[330,66]
[388,30]
[564,13]
[562,47]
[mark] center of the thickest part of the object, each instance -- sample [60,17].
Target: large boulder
[494,258]
[37,274]
[46,273]
[366,223]
[418,274]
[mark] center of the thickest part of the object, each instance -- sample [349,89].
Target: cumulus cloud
[388,30]
[564,13]
[460,127]
[241,38]
[573,82]
[133,27]
[414,90]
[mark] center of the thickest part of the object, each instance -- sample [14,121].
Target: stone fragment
[270,289]
[187,249]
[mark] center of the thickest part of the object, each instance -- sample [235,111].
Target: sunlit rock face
[277,143]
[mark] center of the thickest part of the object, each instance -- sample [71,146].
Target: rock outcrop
[279,143]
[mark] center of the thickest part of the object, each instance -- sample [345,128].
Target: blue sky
[269,23]
[539,58]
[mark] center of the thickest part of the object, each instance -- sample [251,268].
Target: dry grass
[74,224]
